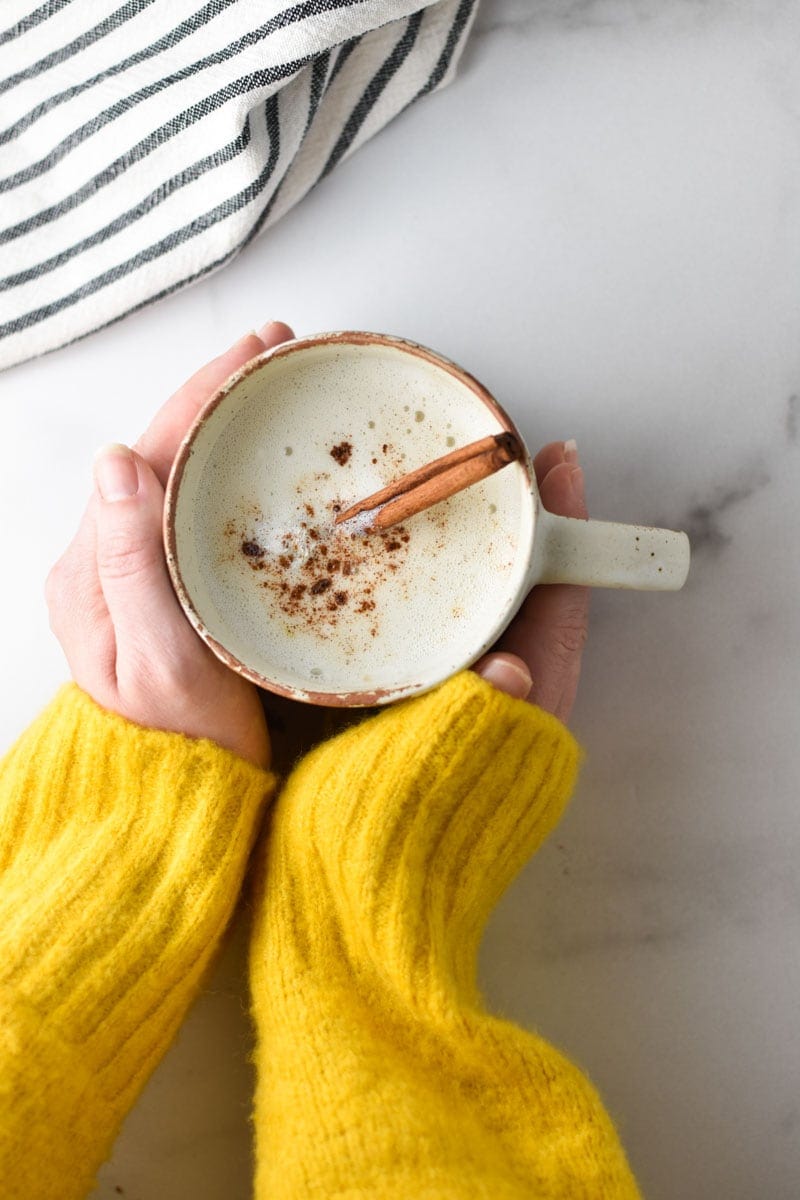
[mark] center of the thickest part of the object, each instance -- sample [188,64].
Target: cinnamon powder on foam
[323,574]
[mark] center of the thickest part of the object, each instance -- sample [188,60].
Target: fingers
[559,476]
[548,634]
[149,627]
[159,443]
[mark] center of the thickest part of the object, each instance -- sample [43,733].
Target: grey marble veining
[601,219]
[705,522]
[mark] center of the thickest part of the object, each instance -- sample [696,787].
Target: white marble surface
[601,219]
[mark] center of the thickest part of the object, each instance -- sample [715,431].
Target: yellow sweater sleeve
[122,852]
[379,1072]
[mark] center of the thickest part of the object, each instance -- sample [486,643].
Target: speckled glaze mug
[336,616]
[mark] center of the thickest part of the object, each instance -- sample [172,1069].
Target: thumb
[130,557]
[507,672]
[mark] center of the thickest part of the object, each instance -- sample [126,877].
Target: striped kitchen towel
[144,143]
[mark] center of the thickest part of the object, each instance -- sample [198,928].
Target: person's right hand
[112,607]
[538,658]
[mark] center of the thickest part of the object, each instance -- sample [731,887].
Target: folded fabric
[144,144]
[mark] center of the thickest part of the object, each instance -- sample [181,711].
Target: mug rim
[337,699]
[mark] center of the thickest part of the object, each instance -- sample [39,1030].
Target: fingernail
[571,451]
[251,333]
[264,331]
[578,482]
[115,472]
[511,678]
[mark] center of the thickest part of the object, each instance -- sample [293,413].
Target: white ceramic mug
[315,425]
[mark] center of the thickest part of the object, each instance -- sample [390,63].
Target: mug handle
[605,554]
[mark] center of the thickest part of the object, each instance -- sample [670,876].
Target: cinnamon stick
[437,481]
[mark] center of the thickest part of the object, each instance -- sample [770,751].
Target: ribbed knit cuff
[408,828]
[379,1072]
[122,851]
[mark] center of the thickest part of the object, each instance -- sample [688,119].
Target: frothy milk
[325,609]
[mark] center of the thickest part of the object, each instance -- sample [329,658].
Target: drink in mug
[341,614]
[319,608]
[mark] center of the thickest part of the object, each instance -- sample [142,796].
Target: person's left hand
[112,607]
[538,658]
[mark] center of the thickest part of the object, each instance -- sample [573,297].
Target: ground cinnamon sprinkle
[324,554]
[342,452]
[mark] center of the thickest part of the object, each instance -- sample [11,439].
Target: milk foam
[261,475]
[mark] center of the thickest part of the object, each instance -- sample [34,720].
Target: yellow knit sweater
[122,852]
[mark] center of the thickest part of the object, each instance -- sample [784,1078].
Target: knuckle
[120,557]
[150,679]
[51,588]
[56,623]
[569,640]
[56,589]
[177,673]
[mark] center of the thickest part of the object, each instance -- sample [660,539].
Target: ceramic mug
[335,615]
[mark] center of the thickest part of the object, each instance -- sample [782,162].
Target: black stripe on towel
[456,29]
[187,27]
[319,85]
[291,16]
[320,82]
[219,213]
[112,22]
[373,91]
[176,125]
[32,20]
[142,209]
[256,187]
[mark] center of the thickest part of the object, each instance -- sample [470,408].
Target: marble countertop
[600,218]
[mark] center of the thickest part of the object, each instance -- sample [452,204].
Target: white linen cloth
[143,144]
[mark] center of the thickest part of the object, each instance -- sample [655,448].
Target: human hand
[539,656]
[127,641]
